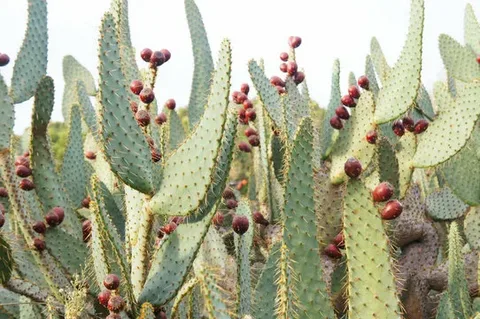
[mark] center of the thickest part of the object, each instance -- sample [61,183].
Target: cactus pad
[472,228]
[295,107]
[472,29]
[6,262]
[444,205]
[7,114]
[459,61]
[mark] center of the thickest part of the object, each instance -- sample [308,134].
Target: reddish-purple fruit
[292,67]
[161,118]
[353,168]
[39,227]
[398,128]
[231,203]
[60,212]
[371,137]
[142,117]
[3,192]
[2,220]
[167,55]
[239,97]
[147,96]
[363,82]
[4,59]
[259,219]
[218,219]
[408,123]
[22,160]
[170,104]
[161,315]
[283,67]
[250,131]
[228,193]
[23,171]
[281,90]
[392,209]
[156,59]
[156,155]
[86,202]
[240,224]
[294,42]
[134,107]
[342,112]
[104,297]
[254,140]
[26,185]
[111,282]
[332,251]
[86,230]
[339,240]
[146,54]
[420,127]
[90,155]
[169,228]
[347,100]
[116,304]
[136,87]
[39,244]
[336,122]
[354,92]
[383,192]
[277,81]
[251,114]
[247,104]
[299,77]
[245,88]
[284,56]
[52,219]
[244,147]
[478,59]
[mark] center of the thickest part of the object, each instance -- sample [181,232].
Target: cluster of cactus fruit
[344,216]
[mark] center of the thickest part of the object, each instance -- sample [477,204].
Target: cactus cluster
[367,209]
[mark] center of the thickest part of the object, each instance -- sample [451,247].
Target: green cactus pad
[379,61]
[213,251]
[195,158]
[295,107]
[268,94]
[87,110]
[264,189]
[388,165]
[372,78]
[17,306]
[6,262]
[183,294]
[31,63]
[444,309]
[278,149]
[147,311]
[471,226]
[213,298]
[438,144]
[140,249]
[7,114]
[300,227]
[203,64]
[405,150]
[459,61]
[370,295]
[175,131]
[444,205]
[399,91]
[472,29]
[351,141]
[98,248]
[73,72]
[125,144]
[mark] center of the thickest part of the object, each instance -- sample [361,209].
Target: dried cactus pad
[444,205]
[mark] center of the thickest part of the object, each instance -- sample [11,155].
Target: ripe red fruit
[408,123]
[52,219]
[231,203]
[156,155]
[26,185]
[111,282]
[86,202]
[254,140]
[228,193]
[259,219]
[251,114]
[283,67]
[60,212]
[420,127]
[2,220]
[354,92]
[242,115]
[277,81]
[21,160]
[147,96]
[90,155]
[371,137]
[392,210]
[23,171]
[3,192]
[4,59]
[170,104]
[104,297]
[162,315]
[398,128]
[347,100]
[240,224]
[353,168]
[245,88]
[342,112]
[339,240]
[332,251]
[134,107]
[292,67]
[86,230]
[250,131]
[167,55]
[294,42]
[299,77]
[156,59]
[169,228]
[280,89]
[363,82]
[218,219]
[247,104]
[146,54]
[478,59]
[39,227]
[26,154]
[239,97]
[244,147]
[116,304]
[39,244]
[284,56]
[161,118]
[383,192]
[136,87]
[336,122]
[142,117]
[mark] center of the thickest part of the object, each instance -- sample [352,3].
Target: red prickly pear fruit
[354,92]
[142,117]
[363,82]
[162,315]
[22,160]
[146,54]
[284,56]
[26,154]
[86,230]
[134,107]
[292,67]
[111,282]
[478,59]
[392,209]
[23,171]
[228,193]
[156,59]
[160,233]
[2,220]
[170,104]
[244,147]
[242,113]
[39,244]
[259,219]
[383,192]
[281,90]
[161,118]
[90,155]
[169,228]
[4,59]
[239,97]
[250,131]
[60,212]
[299,77]
[332,251]
[420,127]
[347,100]
[155,154]
[86,202]
[116,304]
[39,227]
[294,42]
[104,297]
[136,86]
[277,81]
[3,192]
[231,203]
[240,224]
[245,88]
[408,123]
[251,114]
[353,168]
[336,122]
[147,96]
[247,104]
[342,112]
[26,185]
[371,137]
[218,219]
[166,54]
[113,315]
[52,219]
[398,128]
[283,67]
[254,140]
[339,240]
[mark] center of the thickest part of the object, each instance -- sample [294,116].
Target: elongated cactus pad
[6,262]
[7,114]
[471,226]
[459,61]
[295,107]
[472,29]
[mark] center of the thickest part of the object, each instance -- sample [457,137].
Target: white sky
[257,28]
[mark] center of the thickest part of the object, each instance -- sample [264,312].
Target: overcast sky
[257,28]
